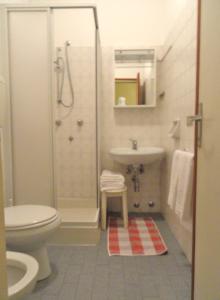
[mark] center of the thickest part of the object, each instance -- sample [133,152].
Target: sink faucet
[134,144]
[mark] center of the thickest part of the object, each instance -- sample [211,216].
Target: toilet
[28,228]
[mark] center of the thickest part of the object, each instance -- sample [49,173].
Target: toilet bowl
[28,228]
[22,270]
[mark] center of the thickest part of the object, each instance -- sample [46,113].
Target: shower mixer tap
[80,122]
[70,138]
[58,123]
[68,43]
[59,64]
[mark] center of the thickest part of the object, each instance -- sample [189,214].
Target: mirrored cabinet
[135,78]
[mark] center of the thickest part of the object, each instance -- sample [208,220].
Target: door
[207,231]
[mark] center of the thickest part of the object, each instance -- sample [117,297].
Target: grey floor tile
[150,298]
[72,274]
[101,272]
[166,292]
[103,258]
[54,284]
[88,268]
[85,287]
[67,292]
[131,276]
[183,294]
[32,297]
[100,283]
[116,294]
[65,256]
[99,296]
[78,257]
[48,297]
[132,292]
[84,273]
[149,286]
[178,282]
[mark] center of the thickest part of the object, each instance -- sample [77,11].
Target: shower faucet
[134,144]
[67,43]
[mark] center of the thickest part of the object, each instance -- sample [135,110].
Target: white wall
[133,23]
[129,22]
[177,77]
[69,25]
[136,23]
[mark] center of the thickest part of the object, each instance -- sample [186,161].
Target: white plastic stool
[114,193]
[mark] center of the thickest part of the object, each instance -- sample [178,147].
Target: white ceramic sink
[143,155]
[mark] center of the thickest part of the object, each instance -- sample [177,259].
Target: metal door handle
[198,120]
[191,119]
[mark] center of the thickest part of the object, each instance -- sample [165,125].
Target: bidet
[22,270]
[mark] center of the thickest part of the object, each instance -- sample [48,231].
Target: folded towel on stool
[111,181]
[109,175]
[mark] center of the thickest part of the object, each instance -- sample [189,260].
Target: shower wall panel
[30,107]
[76,160]
[75,139]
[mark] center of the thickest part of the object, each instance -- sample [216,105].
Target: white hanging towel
[173,180]
[180,193]
[183,206]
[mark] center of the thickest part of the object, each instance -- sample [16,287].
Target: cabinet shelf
[135,78]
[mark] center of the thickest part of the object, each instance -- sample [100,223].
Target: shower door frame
[47,8]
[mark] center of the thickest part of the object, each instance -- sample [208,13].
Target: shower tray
[79,217]
[79,226]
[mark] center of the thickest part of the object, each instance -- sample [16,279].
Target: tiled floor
[85,273]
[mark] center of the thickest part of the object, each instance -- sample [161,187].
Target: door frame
[196,146]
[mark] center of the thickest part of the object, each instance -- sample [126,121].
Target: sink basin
[143,155]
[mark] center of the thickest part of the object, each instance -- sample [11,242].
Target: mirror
[135,78]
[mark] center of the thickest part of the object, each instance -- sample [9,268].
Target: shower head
[68,43]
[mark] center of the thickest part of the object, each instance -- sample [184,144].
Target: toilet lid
[28,215]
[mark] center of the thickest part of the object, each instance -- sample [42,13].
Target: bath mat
[142,237]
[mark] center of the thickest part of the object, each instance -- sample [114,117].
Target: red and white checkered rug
[142,237]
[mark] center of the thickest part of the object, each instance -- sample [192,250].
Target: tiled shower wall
[117,126]
[76,159]
[177,77]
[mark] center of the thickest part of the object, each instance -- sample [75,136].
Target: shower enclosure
[52,57]
[75,78]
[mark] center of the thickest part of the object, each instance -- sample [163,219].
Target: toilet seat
[28,216]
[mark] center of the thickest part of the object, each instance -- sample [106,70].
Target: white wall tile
[75,161]
[177,76]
